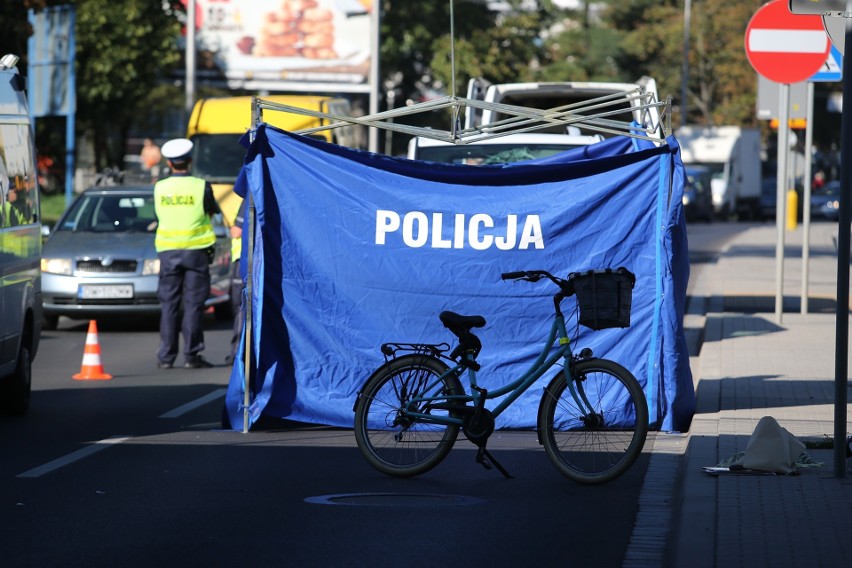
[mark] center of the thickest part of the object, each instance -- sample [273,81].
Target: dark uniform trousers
[184,275]
[237,307]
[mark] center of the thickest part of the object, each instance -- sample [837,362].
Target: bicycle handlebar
[536,275]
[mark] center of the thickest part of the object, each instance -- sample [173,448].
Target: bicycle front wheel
[595,436]
[393,440]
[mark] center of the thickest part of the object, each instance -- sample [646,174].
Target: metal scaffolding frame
[595,114]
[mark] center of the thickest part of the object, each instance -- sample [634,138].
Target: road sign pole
[781,196]
[806,204]
[784,48]
[841,357]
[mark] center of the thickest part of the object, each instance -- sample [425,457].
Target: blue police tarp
[354,249]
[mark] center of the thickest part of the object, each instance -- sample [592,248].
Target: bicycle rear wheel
[390,439]
[598,446]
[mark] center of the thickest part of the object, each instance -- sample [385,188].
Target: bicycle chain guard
[478,426]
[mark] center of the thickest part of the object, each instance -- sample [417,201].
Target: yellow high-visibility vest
[182,221]
[13,216]
[236,248]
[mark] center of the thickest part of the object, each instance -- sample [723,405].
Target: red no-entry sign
[785,47]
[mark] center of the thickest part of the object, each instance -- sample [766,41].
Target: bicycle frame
[548,357]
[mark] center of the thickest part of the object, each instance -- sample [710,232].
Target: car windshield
[490,153]
[217,157]
[104,213]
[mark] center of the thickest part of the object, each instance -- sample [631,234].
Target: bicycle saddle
[459,324]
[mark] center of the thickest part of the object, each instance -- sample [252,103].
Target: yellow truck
[216,125]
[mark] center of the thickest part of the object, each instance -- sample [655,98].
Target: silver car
[100,258]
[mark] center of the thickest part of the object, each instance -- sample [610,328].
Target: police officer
[237,281]
[13,216]
[184,243]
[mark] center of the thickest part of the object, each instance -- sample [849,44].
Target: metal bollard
[792,209]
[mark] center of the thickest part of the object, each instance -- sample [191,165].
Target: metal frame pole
[256,119]
[684,74]
[781,197]
[806,206]
[190,57]
[373,134]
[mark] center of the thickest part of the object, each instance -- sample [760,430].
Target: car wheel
[49,322]
[16,388]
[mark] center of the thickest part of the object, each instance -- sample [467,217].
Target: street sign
[836,30]
[818,7]
[767,100]
[784,47]
[832,70]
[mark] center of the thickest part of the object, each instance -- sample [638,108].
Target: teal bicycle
[592,418]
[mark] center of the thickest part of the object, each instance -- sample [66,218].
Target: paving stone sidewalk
[750,366]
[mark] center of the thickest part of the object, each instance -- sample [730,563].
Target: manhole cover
[395,500]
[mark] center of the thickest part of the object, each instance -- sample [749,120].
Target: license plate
[106,292]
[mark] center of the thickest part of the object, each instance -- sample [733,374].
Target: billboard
[287,44]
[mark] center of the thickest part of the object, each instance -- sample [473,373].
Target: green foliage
[52,207]
[583,53]
[409,39]
[502,53]
[721,87]
[123,48]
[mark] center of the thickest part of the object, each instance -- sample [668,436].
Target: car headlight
[685,199]
[833,205]
[151,266]
[56,265]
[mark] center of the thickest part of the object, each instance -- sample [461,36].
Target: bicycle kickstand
[484,457]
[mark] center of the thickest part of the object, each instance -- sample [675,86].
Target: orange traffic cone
[92,368]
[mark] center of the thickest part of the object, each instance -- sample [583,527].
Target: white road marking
[181,410]
[74,456]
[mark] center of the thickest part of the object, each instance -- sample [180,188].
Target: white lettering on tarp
[477,242]
[415,229]
[386,222]
[478,232]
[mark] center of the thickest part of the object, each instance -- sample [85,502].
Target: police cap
[177,150]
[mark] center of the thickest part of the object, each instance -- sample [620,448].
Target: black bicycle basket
[604,297]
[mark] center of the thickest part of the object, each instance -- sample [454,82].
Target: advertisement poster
[263,43]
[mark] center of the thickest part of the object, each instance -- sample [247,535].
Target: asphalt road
[136,471]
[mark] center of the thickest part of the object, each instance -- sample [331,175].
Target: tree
[509,50]
[409,41]
[721,86]
[123,48]
[581,49]
[499,45]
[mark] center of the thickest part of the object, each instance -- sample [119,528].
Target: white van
[20,243]
[499,150]
[622,102]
